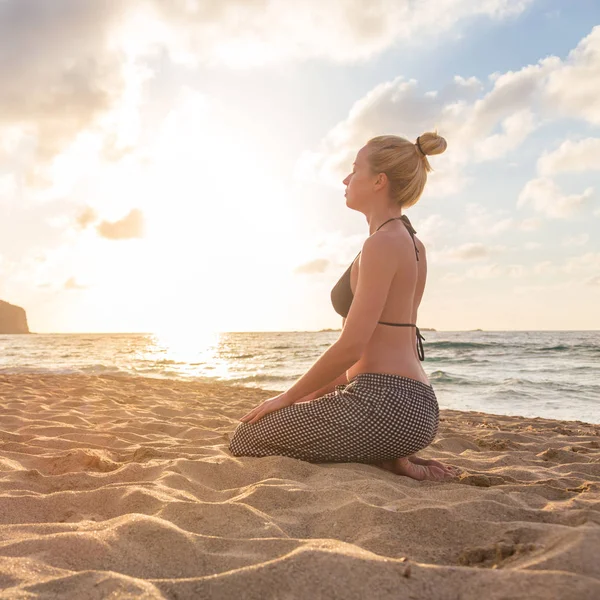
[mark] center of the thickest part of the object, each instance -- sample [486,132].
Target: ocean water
[551,374]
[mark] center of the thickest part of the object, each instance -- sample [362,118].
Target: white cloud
[546,267]
[395,107]
[86,217]
[477,128]
[488,271]
[487,223]
[583,262]
[593,281]
[58,73]
[129,227]
[8,186]
[495,270]
[433,227]
[72,284]
[529,224]
[239,32]
[515,129]
[571,156]
[319,265]
[69,66]
[576,240]
[572,90]
[453,278]
[545,197]
[469,251]
[464,252]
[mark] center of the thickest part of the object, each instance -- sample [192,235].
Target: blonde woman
[367,398]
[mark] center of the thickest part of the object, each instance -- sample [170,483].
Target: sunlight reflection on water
[185,352]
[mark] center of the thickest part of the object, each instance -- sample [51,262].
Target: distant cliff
[12,319]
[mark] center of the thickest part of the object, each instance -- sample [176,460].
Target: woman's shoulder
[390,242]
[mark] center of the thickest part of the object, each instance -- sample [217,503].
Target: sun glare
[186,350]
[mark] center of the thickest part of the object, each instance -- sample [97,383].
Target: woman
[367,398]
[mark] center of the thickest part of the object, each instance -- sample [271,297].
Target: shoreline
[117,484]
[267,392]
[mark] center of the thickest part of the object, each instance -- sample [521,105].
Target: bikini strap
[386,222]
[420,338]
[420,349]
[409,227]
[411,231]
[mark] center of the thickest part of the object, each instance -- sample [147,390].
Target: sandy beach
[124,487]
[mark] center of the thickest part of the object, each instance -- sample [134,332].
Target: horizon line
[324,330]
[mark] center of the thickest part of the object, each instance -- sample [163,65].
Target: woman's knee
[236,443]
[245,441]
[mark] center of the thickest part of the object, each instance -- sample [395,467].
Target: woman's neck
[377,219]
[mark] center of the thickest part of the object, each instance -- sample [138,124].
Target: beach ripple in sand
[124,486]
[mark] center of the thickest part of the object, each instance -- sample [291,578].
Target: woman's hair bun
[431,143]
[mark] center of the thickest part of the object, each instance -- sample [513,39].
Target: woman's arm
[375,274]
[341,380]
[330,366]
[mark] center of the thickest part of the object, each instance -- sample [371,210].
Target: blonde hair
[404,164]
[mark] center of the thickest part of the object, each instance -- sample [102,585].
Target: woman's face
[359,183]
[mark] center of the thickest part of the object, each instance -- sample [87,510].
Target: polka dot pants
[375,417]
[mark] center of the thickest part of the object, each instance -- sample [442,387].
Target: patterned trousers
[375,417]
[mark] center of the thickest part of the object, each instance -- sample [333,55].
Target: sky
[177,166]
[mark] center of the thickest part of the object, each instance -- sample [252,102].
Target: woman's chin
[352,205]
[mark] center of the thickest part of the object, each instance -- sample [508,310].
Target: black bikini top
[342,296]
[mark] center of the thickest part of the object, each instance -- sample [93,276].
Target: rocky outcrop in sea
[13,319]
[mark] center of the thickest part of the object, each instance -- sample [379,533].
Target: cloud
[469,251]
[71,284]
[576,240]
[583,262]
[515,130]
[129,227]
[495,270]
[569,91]
[485,222]
[318,265]
[86,217]
[464,252]
[478,125]
[571,157]
[575,265]
[530,224]
[572,90]
[545,267]
[433,227]
[242,32]
[545,196]
[593,281]
[57,69]
[488,271]
[394,107]
[70,67]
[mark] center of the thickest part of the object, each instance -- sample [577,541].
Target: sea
[550,374]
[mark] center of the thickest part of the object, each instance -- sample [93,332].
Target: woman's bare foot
[452,470]
[403,466]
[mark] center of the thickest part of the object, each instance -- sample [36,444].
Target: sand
[124,487]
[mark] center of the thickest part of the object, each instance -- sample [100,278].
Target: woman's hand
[268,406]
